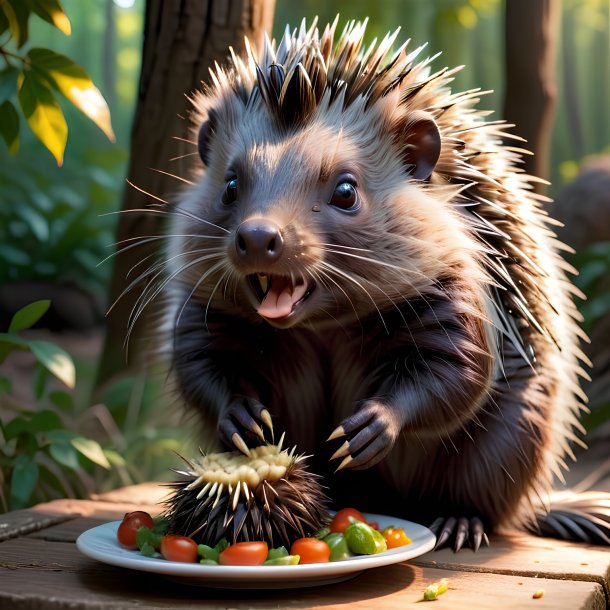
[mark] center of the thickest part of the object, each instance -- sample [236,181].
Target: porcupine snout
[258,241]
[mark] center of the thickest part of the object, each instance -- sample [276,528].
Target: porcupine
[359,257]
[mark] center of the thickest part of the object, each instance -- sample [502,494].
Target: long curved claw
[345,463]
[341,452]
[240,444]
[459,532]
[338,432]
[239,424]
[265,417]
[445,532]
[477,534]
[370,431]
[258,431]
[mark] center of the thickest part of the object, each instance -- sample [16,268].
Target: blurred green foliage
[54,223]
[593,279]
[33,76]
[62,447]
[56,226]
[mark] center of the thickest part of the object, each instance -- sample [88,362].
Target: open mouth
[278,295]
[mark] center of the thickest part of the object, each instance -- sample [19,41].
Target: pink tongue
[280,299]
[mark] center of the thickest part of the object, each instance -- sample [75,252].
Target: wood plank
[520,554]
[51,575]
[20,522]
[68,531]
[103,510]
[148,493]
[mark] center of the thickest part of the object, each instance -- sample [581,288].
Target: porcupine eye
[230,193]
[345,196]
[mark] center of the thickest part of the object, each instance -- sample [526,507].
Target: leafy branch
[30,80]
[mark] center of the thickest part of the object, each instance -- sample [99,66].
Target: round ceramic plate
[100,543]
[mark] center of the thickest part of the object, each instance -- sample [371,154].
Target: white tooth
[263,281]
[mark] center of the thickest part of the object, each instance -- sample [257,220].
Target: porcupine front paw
[459,531]
[244,417]
[370,431]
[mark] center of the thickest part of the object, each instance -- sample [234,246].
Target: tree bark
[531,40]
[181,40]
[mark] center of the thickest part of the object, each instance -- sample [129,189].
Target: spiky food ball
[268,495]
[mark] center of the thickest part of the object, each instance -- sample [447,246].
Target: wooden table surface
[40,567]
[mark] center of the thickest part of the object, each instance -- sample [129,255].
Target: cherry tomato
[345,517]
[311,550]
[374,525]
[244,554]
[179,548]
[395,537]
[126,533]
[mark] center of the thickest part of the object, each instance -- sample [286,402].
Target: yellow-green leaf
[28,315]
[11,17]
[4,25]
[91,450]
[9,126]
[52,12]
[55,360]
[43,114]
[17,14]
[74,83]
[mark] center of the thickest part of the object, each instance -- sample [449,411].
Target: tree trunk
[181,40]
[531,41]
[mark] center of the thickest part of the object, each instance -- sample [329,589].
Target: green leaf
[52,12]
[8,83]
[23,481]
[74,83]
[9,126]
[91,450]
[17,15]
[10,343]
[40,381]
[27,316]
[45,420]
[115,458]
[4,25]
[6,387]
[55,359]
[13,255]
[62,400]
[15,427]
[43,114]
[64,454]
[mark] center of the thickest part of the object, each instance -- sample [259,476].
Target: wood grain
[41,568]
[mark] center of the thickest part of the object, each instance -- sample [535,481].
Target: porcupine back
[531,295]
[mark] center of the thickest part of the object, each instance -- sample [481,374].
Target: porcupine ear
[420,142]
[204,138]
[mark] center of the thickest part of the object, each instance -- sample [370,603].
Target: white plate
[101,543]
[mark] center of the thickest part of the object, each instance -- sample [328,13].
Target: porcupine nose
[259,240]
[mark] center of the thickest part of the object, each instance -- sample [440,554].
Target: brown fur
[441,306]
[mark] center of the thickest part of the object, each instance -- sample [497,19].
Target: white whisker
[160,171]
[141,190]
[183,156]
[207,273]
[347,276]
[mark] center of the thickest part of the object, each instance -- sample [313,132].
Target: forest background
[58,227]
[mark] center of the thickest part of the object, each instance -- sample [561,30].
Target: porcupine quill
[361,257]
[269,495]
